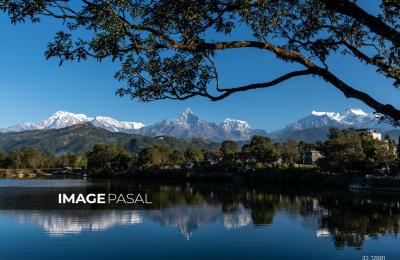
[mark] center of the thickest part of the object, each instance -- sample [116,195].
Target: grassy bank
[24,173]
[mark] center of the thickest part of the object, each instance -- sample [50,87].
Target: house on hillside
[370,132]
[310,157]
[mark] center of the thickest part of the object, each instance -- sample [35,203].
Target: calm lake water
[193,221]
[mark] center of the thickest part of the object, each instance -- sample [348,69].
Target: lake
[196,221]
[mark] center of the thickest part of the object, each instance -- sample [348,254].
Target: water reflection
[75,222]
[348,219]
[352,220]
[186,218]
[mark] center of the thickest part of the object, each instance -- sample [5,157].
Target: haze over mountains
[310,128]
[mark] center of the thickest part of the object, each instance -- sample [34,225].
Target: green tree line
[32,158]
[345,151]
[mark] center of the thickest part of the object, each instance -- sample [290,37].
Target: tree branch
[230,91]
[350,92]
[291,56]
[390,71]
[375,24]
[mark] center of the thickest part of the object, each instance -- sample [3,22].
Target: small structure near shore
[310,156]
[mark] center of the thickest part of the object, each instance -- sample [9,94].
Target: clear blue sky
[33,88]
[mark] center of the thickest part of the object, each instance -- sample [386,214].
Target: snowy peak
[348,113]
[62,119]
[188,117]
[188,125]
[330,115]
[59,119]
[63,114]
[19,127]
[351,117]
[114,125]
[235,125]
[356,111]
[185,114]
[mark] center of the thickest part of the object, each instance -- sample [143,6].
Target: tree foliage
[26,157]
[167,49]
[229,147]
[348,150]
[343,151]
[149,157]
[261,149]
[107,159]
[289,152]
[194,156]
[177,158]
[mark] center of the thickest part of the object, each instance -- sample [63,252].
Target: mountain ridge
[349,118]
[187,125]
[313,127]
[62,119]
[81,138]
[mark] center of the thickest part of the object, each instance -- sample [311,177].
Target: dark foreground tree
[289,152]
[168,48]
[261,149]
[348,150]
[343,151]
[108,159]
[229,147]
[150,157]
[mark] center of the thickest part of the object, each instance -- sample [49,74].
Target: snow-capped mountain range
[63,119]
[188,125]
[351,117]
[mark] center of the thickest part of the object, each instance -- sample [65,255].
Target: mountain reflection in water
[348,219]
[186,218]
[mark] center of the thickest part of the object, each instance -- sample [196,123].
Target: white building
[375,135]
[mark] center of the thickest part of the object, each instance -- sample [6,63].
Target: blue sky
[32,88]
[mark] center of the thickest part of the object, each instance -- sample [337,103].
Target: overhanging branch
[230,91]
[375,24]
[351,92]
[390,71]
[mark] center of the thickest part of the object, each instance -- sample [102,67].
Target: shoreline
[292,176]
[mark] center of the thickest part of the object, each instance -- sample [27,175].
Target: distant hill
[394,134]
[309,135]
[312,135]
[81,138]
[315,127]
[350,118]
